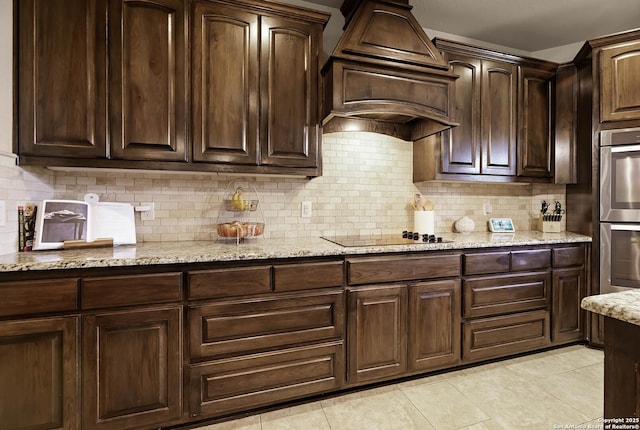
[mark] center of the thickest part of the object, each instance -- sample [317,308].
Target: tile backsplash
[365,189]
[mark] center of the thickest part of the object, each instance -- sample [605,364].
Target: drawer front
[513,293]
[247,382]
[394,269]
[531,259]
[110,291]
[232,282]
[32,297]
[486,262]
[569,256]
[501,336]
[306,276]
[263,324]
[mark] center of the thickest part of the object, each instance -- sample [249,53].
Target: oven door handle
[625,227]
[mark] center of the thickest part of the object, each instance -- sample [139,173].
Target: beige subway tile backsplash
[365,189]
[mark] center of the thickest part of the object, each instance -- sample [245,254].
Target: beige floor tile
[303,417]
[543,366]
[248,423]
[485,425]
[582,357]
[444,406]
[582,389]
[433,379]
[493,385]
[543,413]
[388,410]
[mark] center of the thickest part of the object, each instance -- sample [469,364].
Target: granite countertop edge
[623,306]
[186,252]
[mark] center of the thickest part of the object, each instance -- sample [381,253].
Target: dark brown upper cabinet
[224,87]
[117,90]
[535,122]
[256,92]
[255,86]
[147,93]
[290,92]
[61,76]
[619,85]
[504,105]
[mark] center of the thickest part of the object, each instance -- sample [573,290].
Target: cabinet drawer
[530,259]
[504,294]
[486,262]
[229,282]
[306,276]
[248,382]
[569,256]
[109,291]
[393,269]
[505,335]
[266,323]
[32,297]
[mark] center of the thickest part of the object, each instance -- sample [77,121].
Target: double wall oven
[619,209]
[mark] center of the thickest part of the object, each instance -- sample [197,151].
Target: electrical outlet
[487,209]
[150,214]
[305,210]
[3,213]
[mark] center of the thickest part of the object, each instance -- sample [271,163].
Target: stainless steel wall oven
[619,209]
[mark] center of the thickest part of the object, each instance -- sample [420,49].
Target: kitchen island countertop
[623,306]
[183,252]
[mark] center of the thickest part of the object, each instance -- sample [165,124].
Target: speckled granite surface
[623,306]
[151,253]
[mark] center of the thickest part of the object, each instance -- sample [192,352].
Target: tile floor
[562,388]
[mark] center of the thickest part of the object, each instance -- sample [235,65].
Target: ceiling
[526,25]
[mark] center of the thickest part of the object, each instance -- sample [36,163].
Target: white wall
[6,68]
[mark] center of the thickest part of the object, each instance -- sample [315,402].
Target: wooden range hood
[385,75]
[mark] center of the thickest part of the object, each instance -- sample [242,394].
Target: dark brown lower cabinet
[250,381]
[376,332]
[398,329]
[567,318]
[39,384]
[434,325]
[132,368]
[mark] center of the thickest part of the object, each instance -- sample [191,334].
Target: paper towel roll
[424,222]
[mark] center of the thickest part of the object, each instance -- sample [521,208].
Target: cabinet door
[619,86]
[461,145]
[567,317]
[132,369]
[377,328]
[289,92]
[147,79]
[499,100]
[534,123]
[224,61]
[62,79]
[39,374]
[434,325]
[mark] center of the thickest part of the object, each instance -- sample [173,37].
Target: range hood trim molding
[398,78]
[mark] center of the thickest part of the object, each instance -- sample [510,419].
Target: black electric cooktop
[380,240]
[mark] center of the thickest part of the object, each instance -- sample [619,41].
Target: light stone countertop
[623,306]
[156,253]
